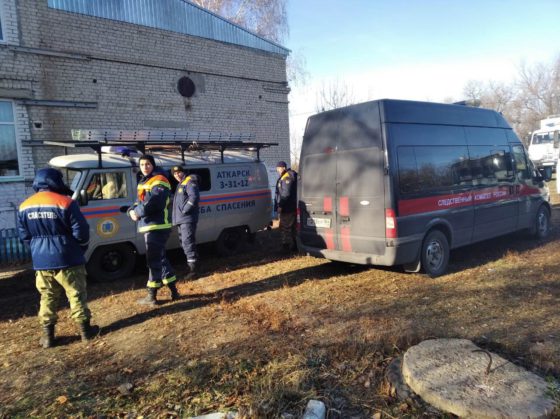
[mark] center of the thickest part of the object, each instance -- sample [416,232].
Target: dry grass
[264,333]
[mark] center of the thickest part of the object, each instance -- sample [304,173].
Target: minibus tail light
[390,223]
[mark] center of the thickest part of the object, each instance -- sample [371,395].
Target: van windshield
[543,138]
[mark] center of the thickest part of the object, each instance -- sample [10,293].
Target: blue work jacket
[186,200]
[55,229]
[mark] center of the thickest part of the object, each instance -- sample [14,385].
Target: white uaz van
[235,199]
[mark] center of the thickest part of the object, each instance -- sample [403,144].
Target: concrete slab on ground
[457,376]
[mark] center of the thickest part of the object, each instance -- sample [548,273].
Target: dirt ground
[263,332]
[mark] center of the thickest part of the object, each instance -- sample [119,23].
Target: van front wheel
[111,262]
[542,223]
[435,253]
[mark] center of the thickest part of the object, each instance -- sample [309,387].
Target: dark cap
[176,169]
[281,164]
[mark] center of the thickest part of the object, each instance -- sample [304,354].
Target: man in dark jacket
[58,234]
[154,220]
[285,204]
[185,214]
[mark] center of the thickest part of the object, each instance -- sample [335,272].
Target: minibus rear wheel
[111,262]
[230,241]
[435,253]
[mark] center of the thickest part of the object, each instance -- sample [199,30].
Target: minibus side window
[408,172]
[521,166]
[204,176]
[490,165]
[107,185]
[432,168]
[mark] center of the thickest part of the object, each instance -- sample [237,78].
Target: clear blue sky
[415,49]
[337,36]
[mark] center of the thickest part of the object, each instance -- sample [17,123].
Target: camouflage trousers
[288,229]
[52,284]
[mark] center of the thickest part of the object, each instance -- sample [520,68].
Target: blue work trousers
[160,269]
[187,233]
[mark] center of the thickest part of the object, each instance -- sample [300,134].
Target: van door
[318,190]
[528,192]
[359,201]
[494,194]
[108,191]
[342,181]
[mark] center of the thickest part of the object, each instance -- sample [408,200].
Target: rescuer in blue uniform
[153,217]
[185,214]
[285,203]
[58,234]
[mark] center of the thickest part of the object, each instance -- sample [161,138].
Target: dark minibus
[394,182]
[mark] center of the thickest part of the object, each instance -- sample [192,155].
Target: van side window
[439,168]
[110,185]
[490,164]
[204,176]
[521,166]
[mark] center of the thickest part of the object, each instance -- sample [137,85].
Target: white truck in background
[544,146]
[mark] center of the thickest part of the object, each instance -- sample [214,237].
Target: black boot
[47,340]
[192,271]
[150,299]
[174,292]
[88,331]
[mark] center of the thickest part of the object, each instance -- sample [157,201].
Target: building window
[1,29]
[8,146]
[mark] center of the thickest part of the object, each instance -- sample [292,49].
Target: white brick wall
[131,74]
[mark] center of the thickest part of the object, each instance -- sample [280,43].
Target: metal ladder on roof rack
[157,135]
[144,140]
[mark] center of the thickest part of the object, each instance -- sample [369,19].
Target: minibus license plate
[319,222]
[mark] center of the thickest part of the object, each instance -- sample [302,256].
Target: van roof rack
[147,140]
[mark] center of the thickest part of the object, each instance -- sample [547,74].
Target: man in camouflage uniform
[286,205]
[58,234]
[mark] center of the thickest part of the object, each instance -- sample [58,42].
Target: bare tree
[539,86]
[333,95]
[268,18]
[533,96]
[473,90]
[296,69]
[295,150]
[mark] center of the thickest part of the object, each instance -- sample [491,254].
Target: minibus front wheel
[435,253]
[541,226]
[111,262]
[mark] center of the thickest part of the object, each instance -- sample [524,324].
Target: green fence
[12,249]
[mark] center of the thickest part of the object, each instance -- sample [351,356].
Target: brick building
[118,64]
